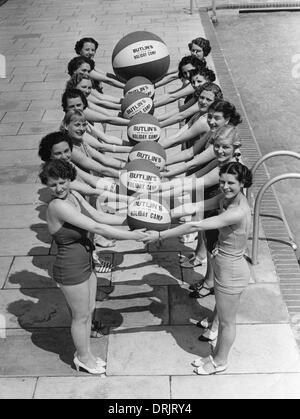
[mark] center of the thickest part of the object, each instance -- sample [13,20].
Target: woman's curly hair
[76,62]
[210,87]
[57,169]
[206,72]
[189,59]
[228,110]
[240,171]
[202,43]
[79,44]
[47,143]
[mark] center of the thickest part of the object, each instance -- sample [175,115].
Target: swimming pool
[263,53]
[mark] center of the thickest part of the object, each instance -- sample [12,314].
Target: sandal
[197,286]
[97,259]
[101,295]
[196,293]
[203,324]
[104,267]
[109,243]
[192,262]
[212,367]
[99,360]
[183,258]
[98,329]
[188,238]
[208,336]
[200,361]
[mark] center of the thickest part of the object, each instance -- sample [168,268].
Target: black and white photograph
[150,202]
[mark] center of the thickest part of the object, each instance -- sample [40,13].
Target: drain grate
[266,5]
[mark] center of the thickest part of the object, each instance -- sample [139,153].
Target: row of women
[76,166]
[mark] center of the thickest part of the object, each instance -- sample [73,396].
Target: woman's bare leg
[227,307]
[78,299]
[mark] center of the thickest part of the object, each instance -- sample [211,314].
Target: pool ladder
[260,195]
[213,8]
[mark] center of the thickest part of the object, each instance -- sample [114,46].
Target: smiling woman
[70,218]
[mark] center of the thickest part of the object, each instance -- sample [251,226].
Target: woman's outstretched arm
[198,128]
[229,217]
[94,116]
[89,164]
[100,76]
[172,96]
[65,212]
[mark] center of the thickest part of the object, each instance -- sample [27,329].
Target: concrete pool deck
[152,337]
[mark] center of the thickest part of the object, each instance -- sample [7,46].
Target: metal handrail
[257,211]
[268,156]
[213,9]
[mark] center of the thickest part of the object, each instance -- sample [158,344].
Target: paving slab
[145,268]
[54,115]
[171,245]
[29,116]
[103,388]
[134,306]
[33,308]
[13,105]
[26,194]
[19,158]
[252,386]
[43,127]
[30,95]
[21,242]
[19,142]
[17,388]
[22,216]
[44,104]
[154,351]
[260,303]
[30,272]
[257,349]
[264,349]
[9,129]
[17,174]
[5,264]
[38,70]
[47,352]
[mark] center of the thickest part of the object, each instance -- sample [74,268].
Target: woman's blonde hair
[69,117]
[229,132]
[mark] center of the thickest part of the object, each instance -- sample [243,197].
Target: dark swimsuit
[73,264]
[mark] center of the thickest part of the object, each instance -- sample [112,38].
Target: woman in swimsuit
[231,271]
[69,219]
[226,148]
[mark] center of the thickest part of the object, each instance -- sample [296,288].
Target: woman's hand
[152,236]
[140,235]
[167,173]
[103,147]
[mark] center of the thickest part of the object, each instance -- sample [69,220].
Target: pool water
[263,53]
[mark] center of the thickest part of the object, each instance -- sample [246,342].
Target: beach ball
[141,53]
[148,212]
[135,103]
[140,177]
[140,84]
[150,151]
[143,127]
